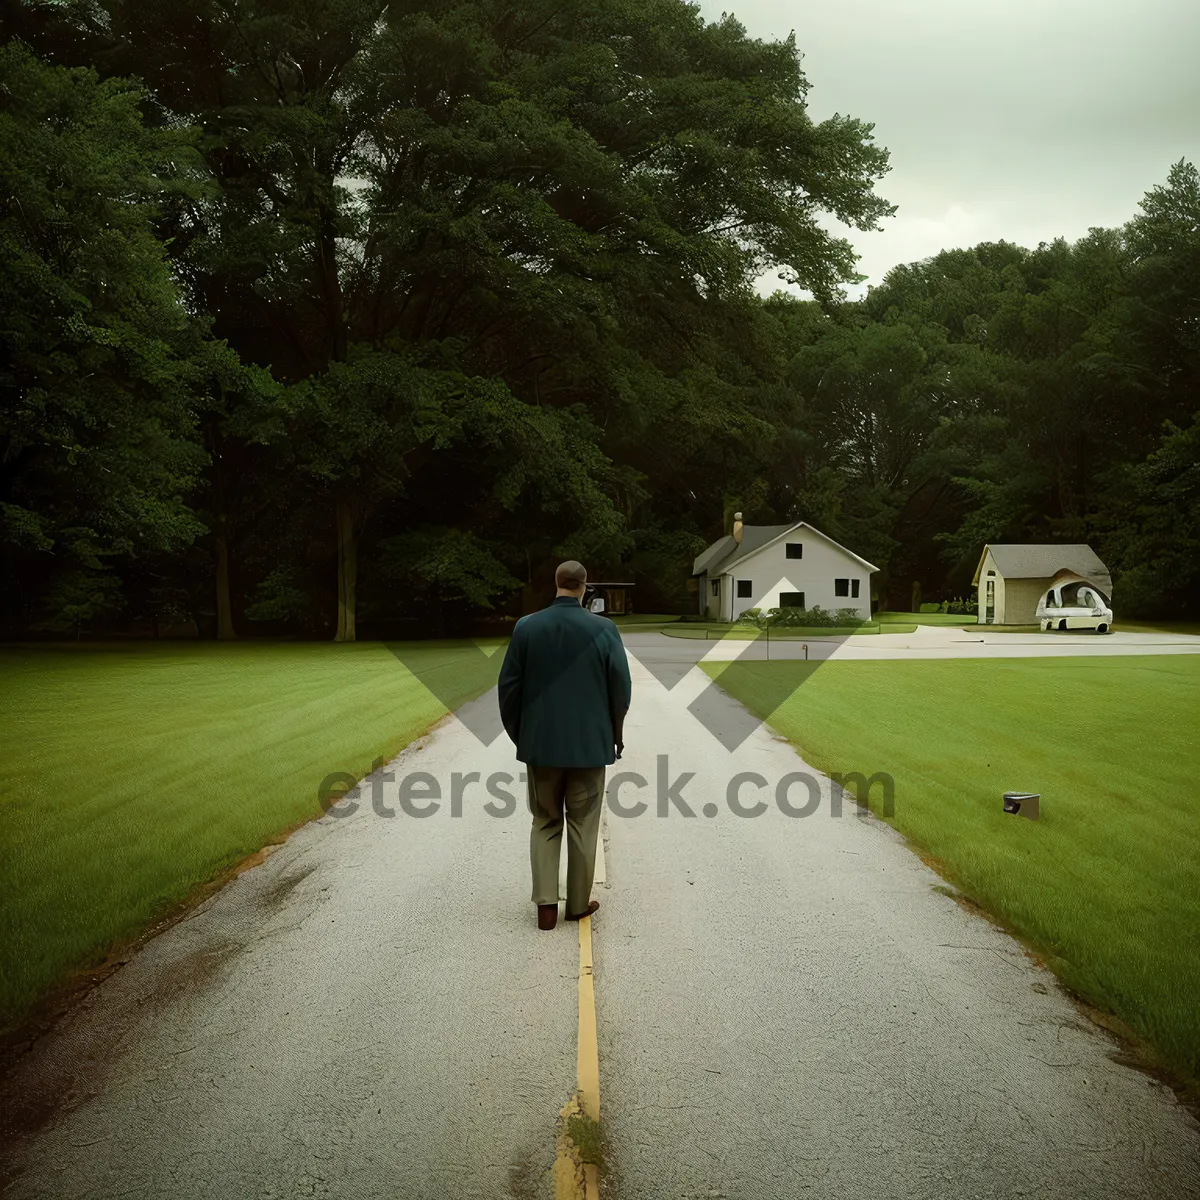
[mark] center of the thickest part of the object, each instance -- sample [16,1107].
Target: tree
[1164,318]
[577,198]
[104,367]
[1150,526]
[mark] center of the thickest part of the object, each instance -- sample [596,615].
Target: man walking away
[564,692]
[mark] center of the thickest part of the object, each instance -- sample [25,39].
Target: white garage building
[1012,579]
[780,566]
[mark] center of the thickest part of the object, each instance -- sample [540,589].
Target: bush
[754,616]
[806,618]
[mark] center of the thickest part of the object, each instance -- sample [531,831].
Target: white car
[1075,603]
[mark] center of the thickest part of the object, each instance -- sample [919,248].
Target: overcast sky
[1017,119]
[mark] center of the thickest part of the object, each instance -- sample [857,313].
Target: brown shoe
[591,908]
[547,916]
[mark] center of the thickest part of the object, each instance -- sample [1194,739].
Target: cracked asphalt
[786,1007]
[368,1013]
[790,1007]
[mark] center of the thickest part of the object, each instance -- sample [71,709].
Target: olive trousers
[570,796]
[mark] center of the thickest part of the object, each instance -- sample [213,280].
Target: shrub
[811,618]
[754,616]
[801,618]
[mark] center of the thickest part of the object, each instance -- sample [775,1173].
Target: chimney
[737,527]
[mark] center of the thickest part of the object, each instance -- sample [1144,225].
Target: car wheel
[1102,628]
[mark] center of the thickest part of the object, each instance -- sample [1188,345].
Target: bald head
[570,578]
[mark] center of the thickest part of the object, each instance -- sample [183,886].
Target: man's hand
[618,727]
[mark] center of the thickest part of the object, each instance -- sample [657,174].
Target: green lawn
[925,618]
[129,774]
[970,620]
[1191,628]
[1091,633]
[1107,884]
[713,630]
[643,622]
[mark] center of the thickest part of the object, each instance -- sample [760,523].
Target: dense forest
[338,317]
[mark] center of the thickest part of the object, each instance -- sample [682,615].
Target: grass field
[644,622]
[1119,624]
[1191,628]
[881,622]
[1106,885]
[710,631]
[129,774]
[925,618]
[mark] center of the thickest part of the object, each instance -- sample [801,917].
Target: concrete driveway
[370,1013]
[928,641]
[794,1006]
[786,1007]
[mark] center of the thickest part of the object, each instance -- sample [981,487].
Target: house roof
[725,552]
[1042,562]
[720,549]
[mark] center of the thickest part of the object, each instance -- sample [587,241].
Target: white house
[780,566]
[1012,579]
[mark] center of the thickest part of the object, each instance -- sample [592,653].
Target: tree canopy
[351,311]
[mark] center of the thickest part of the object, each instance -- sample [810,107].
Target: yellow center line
[588,1061]
[587,1067]
[575,1179]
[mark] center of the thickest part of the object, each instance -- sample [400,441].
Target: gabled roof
[1043,562]
[725,552]
[720,549]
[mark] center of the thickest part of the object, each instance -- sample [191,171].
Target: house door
[989,601]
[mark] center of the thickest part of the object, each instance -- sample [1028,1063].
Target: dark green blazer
[564,687]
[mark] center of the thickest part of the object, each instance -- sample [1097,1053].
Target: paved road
[786,1007]
[929,641]
[369,1013]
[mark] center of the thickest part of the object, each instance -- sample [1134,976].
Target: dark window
[795,549]
[716,587]
[791,599]
[744,586]
[841,587]
[854,588]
